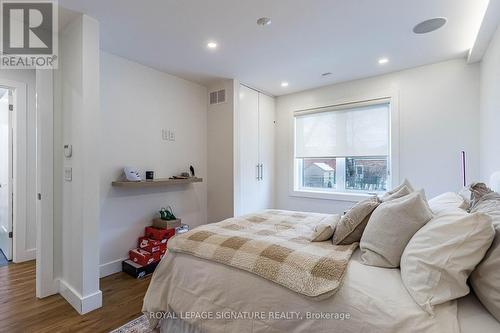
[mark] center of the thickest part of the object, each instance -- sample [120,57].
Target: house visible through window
[343,149]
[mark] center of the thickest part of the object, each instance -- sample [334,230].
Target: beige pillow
[353,223]
[391,227]
[398,194]
[439,258]
[398,188]
[485,279]
[324,230]
[447,201]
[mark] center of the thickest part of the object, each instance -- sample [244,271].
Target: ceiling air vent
[217,97]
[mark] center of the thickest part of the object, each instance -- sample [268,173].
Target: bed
[375,299]
[192,294]
[473,317]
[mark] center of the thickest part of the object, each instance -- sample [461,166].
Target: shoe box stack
[152,247]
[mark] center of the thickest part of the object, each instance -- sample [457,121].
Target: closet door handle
[258,172]
[261,171]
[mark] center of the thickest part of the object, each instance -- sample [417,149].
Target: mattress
[206,296]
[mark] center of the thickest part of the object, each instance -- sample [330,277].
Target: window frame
[345,195]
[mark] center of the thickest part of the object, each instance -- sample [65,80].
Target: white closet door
[248,149]
[266,151]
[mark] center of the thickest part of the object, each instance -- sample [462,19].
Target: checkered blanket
[275,245]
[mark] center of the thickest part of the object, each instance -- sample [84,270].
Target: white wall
[438,112]
[221,150]
[490,109]
[137,102]
[76,206]
[27,76]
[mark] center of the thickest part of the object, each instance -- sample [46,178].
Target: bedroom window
[343,149]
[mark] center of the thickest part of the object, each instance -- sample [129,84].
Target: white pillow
[398,188]
[440,257]
[390,228]
[396,195]
[485,279]
[324,230]
[447,201]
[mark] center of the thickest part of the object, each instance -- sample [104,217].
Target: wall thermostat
[68,151]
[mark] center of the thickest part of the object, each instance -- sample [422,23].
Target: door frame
[19,172]
[9,252]
[46,283]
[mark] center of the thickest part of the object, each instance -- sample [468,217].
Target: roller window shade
[345,132]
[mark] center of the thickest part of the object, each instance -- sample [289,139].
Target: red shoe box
[170,233]
[159,233]
[141,257]
[155,233]
[157,256]
[152,245]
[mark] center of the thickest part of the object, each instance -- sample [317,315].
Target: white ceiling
[306,37]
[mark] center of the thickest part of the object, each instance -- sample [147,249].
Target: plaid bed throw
[275,245]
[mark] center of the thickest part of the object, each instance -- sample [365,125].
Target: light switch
[68,174]
[167,135]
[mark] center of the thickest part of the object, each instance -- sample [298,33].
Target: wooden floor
[21,311]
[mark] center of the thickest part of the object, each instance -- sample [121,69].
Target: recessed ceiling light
[429,25]
[284,84]
[263,21]
[383,61]
[212,45]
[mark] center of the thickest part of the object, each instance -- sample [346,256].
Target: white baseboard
[81,304]
[111,267]
[46,288]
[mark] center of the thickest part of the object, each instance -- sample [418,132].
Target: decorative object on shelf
[191,169]
[167,214]
[131,174]
[150,175]
[185,175]
[179,177]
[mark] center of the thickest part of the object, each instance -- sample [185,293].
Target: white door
[5,174]
[248,149]
[266,151]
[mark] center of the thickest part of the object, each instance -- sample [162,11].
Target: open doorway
[6,153]
[26,151]
[18,164]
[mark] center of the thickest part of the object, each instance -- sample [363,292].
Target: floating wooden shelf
[156,182]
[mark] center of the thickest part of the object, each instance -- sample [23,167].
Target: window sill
[335,196]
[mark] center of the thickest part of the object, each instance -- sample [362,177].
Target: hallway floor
[21,311]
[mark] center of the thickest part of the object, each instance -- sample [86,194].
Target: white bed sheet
[473,316]
[375,298]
